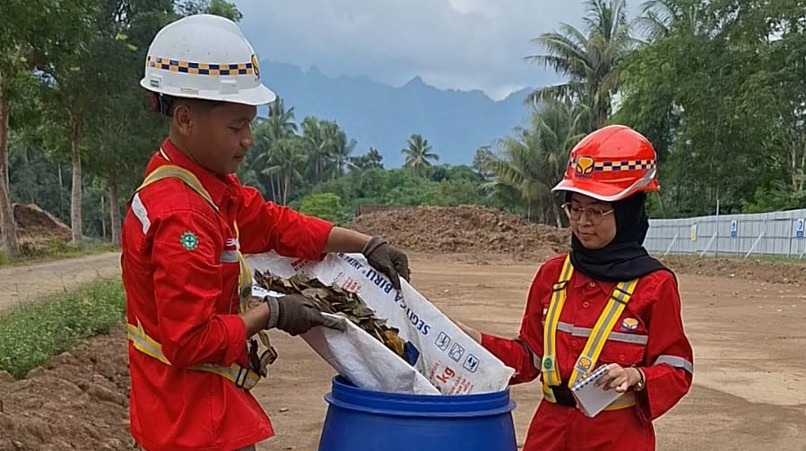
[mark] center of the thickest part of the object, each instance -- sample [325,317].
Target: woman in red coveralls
[605,303]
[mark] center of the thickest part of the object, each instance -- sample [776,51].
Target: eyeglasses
[595,214]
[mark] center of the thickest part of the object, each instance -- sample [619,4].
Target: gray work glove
[387,260]
[297,314]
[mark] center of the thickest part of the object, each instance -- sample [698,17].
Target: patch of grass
[54,249]
[31,334]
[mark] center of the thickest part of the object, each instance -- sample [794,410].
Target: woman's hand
[619,378]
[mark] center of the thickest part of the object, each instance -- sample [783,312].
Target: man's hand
[297,314]
[387,260]
[619,378]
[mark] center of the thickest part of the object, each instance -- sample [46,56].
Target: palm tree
[317,147]
[419,155]
[281,121]
[340,149]
[591,62]
[287,157]
[659,17]
[533,160]
[267,133]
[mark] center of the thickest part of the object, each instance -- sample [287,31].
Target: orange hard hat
[611,164]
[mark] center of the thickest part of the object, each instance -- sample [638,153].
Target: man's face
[217,137]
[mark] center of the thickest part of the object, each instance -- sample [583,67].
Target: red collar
[219,187]
[579,280]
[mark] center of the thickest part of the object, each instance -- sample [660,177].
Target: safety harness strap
[549,367]
[621,295]
[241,376]
[618,300]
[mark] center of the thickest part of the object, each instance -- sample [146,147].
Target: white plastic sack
[439,352]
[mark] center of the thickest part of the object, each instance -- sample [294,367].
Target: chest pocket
[626,344]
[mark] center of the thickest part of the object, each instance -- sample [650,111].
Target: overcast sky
[460,44]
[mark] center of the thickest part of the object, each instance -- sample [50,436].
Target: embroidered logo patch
[189,241]
[629,325]
[584,364]
[548,363]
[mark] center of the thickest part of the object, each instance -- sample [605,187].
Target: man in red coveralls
[607,302]
[183,238]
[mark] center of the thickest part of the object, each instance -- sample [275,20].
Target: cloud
[460,44]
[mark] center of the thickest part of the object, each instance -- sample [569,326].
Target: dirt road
[748,339]
[21,284]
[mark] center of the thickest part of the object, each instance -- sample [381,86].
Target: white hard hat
[205,57]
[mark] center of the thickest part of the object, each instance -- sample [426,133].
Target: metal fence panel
[779,233]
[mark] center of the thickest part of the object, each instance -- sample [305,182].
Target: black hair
[166,104]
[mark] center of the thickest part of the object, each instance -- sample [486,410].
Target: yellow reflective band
[240,376]
[549,366]
[176,172]
[586,362]
[145,344]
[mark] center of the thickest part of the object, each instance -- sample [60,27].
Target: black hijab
[624,258]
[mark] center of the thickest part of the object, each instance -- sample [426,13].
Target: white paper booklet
[590,398]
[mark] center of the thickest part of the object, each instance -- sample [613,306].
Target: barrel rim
[346,395]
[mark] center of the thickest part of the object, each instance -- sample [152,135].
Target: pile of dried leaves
[334,299]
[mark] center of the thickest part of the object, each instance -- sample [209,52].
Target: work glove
[297,314]
[387,260]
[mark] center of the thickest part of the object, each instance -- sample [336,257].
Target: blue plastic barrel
[363,420]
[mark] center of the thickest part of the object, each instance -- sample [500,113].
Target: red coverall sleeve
[266,226]
[187,287]
[524,353]
[669,357]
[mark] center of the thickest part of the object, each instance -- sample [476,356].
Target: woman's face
[592,221]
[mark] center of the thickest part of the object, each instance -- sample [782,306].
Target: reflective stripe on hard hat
[217,63]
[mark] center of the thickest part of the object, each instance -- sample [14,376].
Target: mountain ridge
[378,115]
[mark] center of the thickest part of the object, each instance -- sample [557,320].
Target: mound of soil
[792,273]
[77,400]
[478,235]
[33,221]
[35,225]
[465,229]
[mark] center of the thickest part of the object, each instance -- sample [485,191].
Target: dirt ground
[747,335]
[21,284]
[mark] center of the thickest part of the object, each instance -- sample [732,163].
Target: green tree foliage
[719,88]
[591,59]
[325,205]
[419,154]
